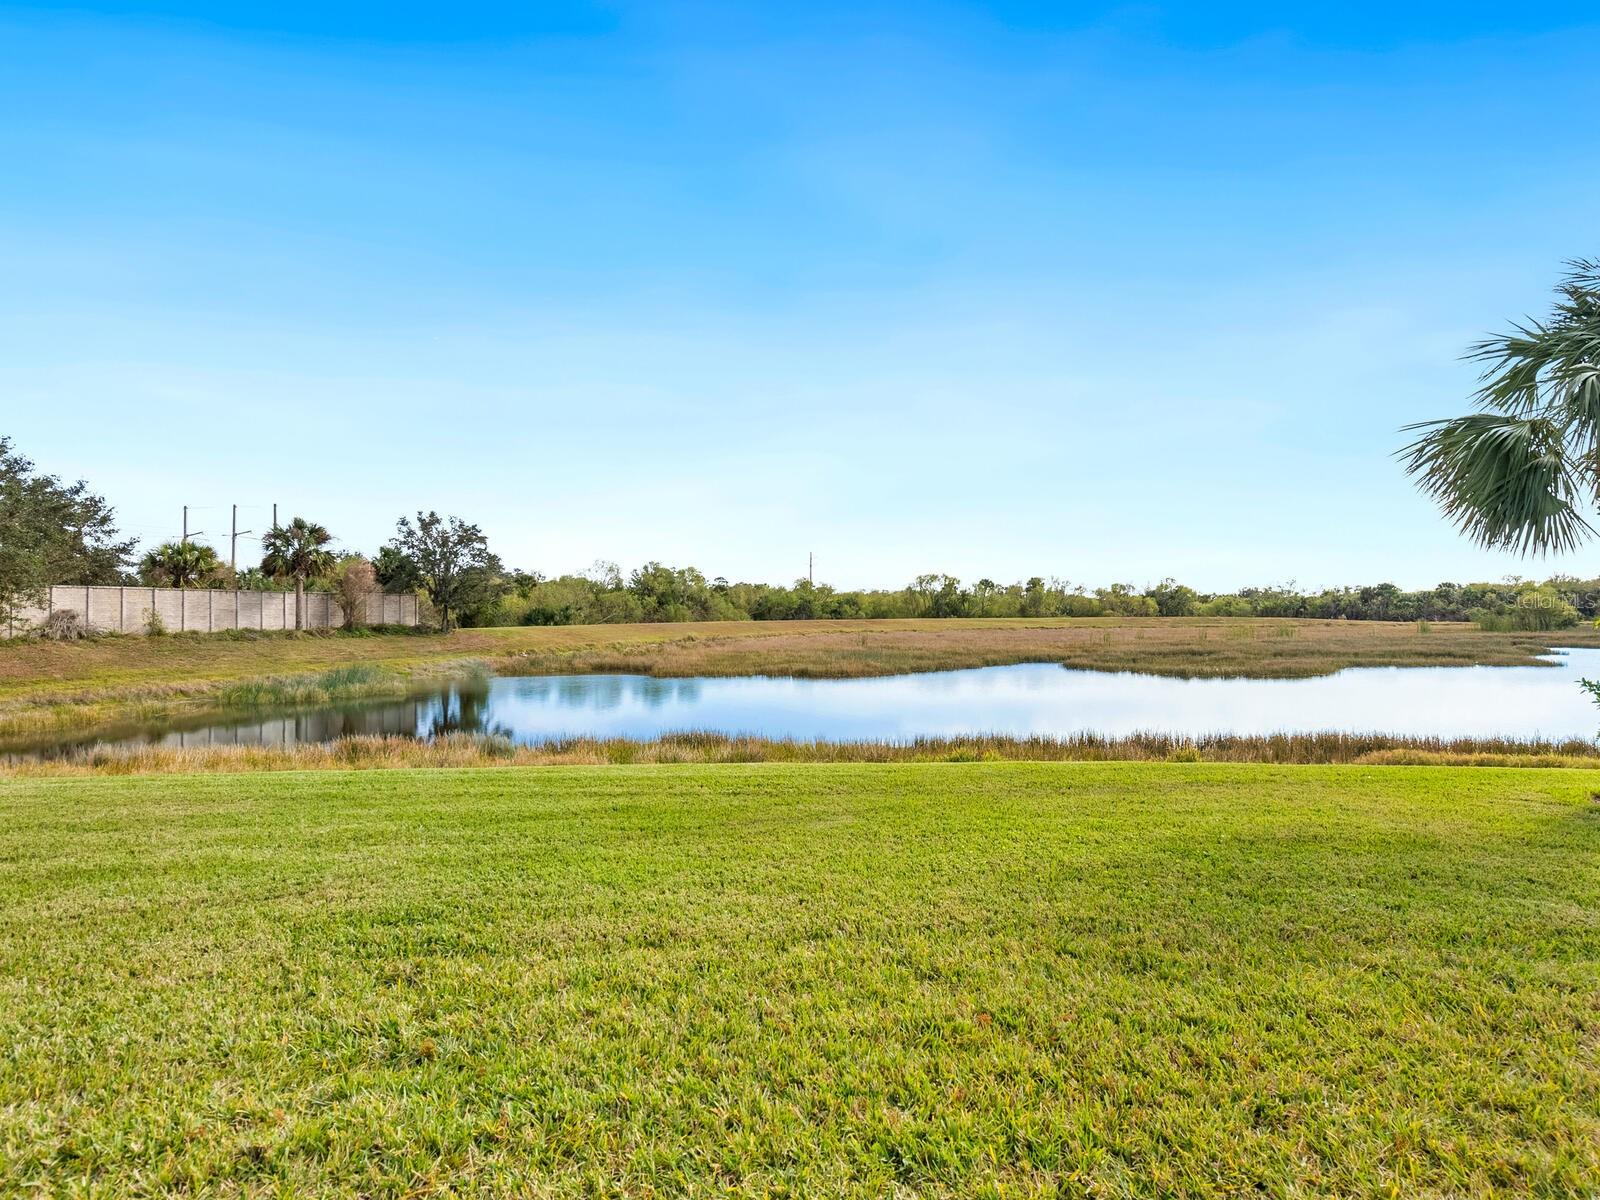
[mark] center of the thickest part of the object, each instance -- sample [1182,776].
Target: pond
[1044,699]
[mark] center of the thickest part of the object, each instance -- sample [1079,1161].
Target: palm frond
[297,549]
[1549,366]
[1506,481]
[1582,278]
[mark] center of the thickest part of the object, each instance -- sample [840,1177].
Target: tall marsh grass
[342,683]
[466,750]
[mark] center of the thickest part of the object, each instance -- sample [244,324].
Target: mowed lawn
[933,980]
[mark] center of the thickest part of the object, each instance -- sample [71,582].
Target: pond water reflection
[1515,702]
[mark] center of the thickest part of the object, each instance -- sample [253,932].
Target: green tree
[1516,474]
[52,532]
[1174,599]
[396,571]
[451,561]
[179,565]
[937,595]
[298,551]
[1033,597]
[1123,600]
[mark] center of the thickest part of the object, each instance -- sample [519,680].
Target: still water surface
[1517,702]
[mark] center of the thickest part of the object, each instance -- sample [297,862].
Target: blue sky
[1108,292]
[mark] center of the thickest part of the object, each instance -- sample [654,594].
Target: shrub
[352,582]
[63,625]
[1536,609]
[1226,606]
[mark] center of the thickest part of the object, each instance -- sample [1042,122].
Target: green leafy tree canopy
[450,560]
[52,532]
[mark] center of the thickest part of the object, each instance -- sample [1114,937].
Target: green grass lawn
[932,980]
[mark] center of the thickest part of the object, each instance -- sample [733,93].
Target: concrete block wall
[128,609]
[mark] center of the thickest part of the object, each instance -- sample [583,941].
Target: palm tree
[179,564]
[297,551]
[1517,474]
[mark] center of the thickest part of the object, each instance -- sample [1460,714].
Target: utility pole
[811,567]
[233,541]
[181,581]
[274,518]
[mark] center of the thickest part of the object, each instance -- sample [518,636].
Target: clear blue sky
[1108,292]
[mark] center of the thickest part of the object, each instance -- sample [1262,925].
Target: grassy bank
[947,980]
[364,753]
[55,685]
[112,713]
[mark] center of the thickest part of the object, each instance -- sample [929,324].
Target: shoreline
[456,750]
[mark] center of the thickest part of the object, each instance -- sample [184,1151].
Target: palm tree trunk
[299,602]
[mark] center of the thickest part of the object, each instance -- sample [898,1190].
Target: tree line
[52,532]
[656,592]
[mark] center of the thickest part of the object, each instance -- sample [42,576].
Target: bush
[63,625]
[353,581]
[1226,606]
[1536,609]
